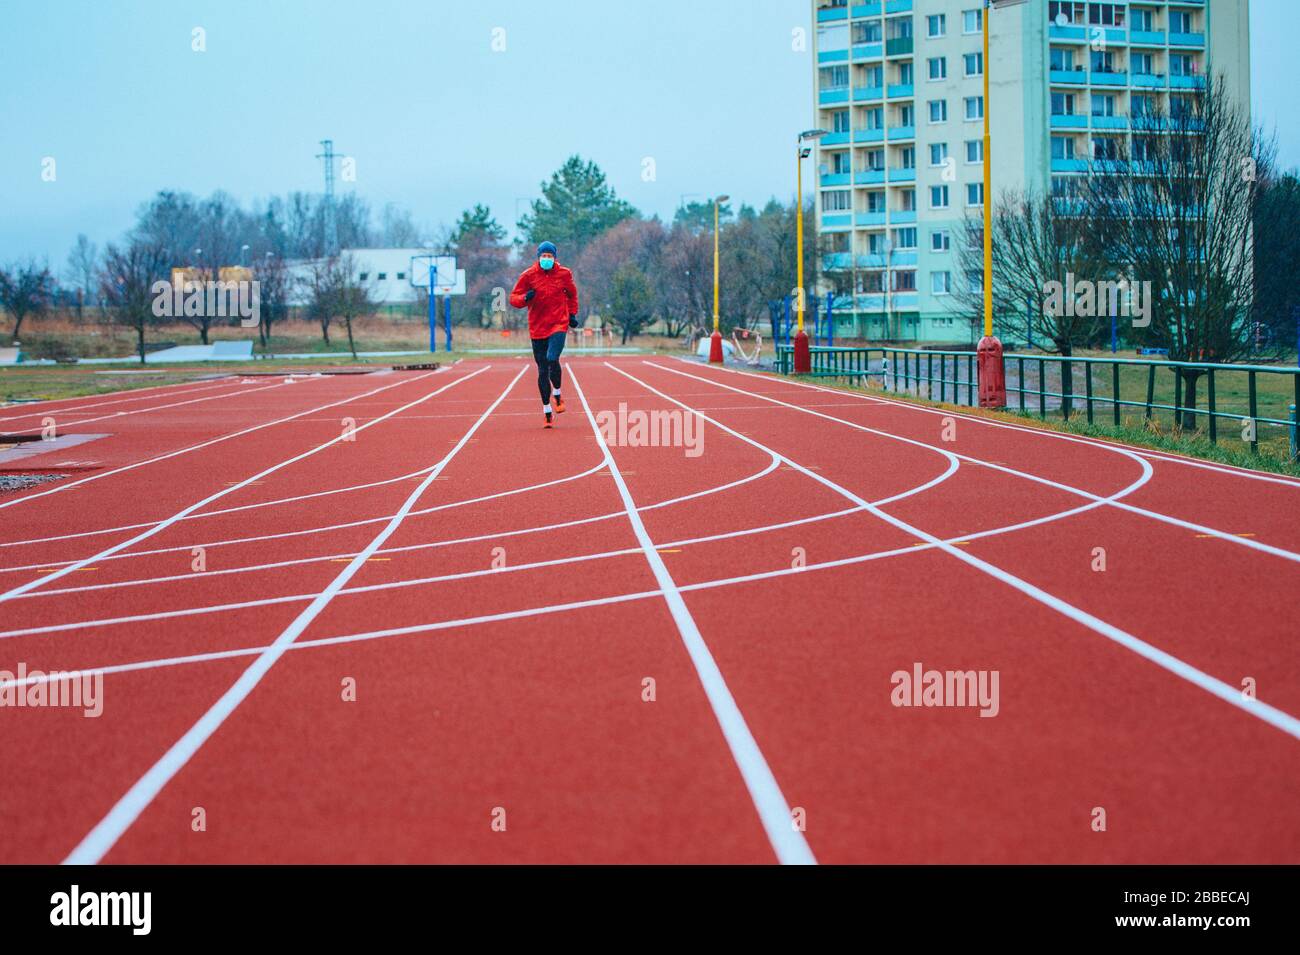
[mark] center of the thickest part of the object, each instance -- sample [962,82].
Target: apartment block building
[899,85]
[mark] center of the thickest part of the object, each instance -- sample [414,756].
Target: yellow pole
[715,265]
[988,194]
[798,152]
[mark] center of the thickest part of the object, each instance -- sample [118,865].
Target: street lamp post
[992,371]
[802,356]
[715,343]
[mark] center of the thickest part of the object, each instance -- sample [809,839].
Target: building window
[904,281]
[839,164]
[1062,59]
[833,77]
[866,31]
[875,202]
[941,283]
[1103,61]
[840,121]
[905,239]
[1144,64]
[833,37]
[974,193]
[938,197]
[1103,104]
[383,276]
[1063,104]
[876,160]
[940,240]
[1180,21]
[1062,147]
[907,201]
[1065,12]
[875,118]
[1143,20]
[938,154]
[401,276]
[974,150]
[1106,14]
[1182,64]
[906,76]
[907,115]
[936,25]
[364,276]
[907,157]
[974,64]
[972,21]
[832,201]
[974,107]
[938,110]
[938,67]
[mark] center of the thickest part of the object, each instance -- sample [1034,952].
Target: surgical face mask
[547,262]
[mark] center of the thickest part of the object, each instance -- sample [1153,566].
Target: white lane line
[68,485]
[773,810]
[555,608]
[162,525]
[1078,492]
[140,395]
[118,415]
[307,531]
[127,809]
[1216,687]
[1102,443]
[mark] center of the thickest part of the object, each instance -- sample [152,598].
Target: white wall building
[386,271]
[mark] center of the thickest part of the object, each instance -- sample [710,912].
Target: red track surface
[1119,689]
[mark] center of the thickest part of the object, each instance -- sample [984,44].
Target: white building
[386,271]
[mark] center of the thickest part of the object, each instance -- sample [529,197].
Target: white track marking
[599,601]
[1078,492]
[164,524]
[141,395]
[773,811]
[120,818]
[306,531]
[1103,443]
[118,415]
[1167,661]
[67,485]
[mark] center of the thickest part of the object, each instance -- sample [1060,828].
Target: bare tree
[274,284]
[25,290]
[126,281]
[323,282]
[83,264]
[355,297]
[1177,208]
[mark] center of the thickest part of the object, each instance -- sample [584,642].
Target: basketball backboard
[444,267]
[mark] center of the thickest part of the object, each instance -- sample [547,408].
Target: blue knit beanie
[544,248]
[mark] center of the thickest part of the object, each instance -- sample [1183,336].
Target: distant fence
[1074,386]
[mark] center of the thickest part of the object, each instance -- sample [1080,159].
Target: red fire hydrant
[992,373]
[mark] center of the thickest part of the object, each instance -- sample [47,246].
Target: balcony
[871,9]
[1070,34]
[902,175]
[1069,76]
[1069,121]
[1186,82]
[903,217]
[835,139]
[868,135]
[837,220]
[904,300]
[838,260]
[869,177]
[1110,122]
[1149,80]
[903,259]
[837,179]
[902,132]
[872,260]
[832,97]
[1109,79]
[869,218]
[868,51]
[1069,165]
[832,56]
[899,47]
[827,14]
[866,93]
[901,91]
[1187,39]
[1146,37]
[898,6]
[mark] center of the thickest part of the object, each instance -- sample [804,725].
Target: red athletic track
[542,714]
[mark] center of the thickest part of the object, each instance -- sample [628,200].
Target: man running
[546,289]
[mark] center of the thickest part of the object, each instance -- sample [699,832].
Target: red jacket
[555,301]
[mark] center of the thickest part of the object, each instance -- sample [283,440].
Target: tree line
[635,272]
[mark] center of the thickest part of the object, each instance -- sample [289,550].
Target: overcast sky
[672,98]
